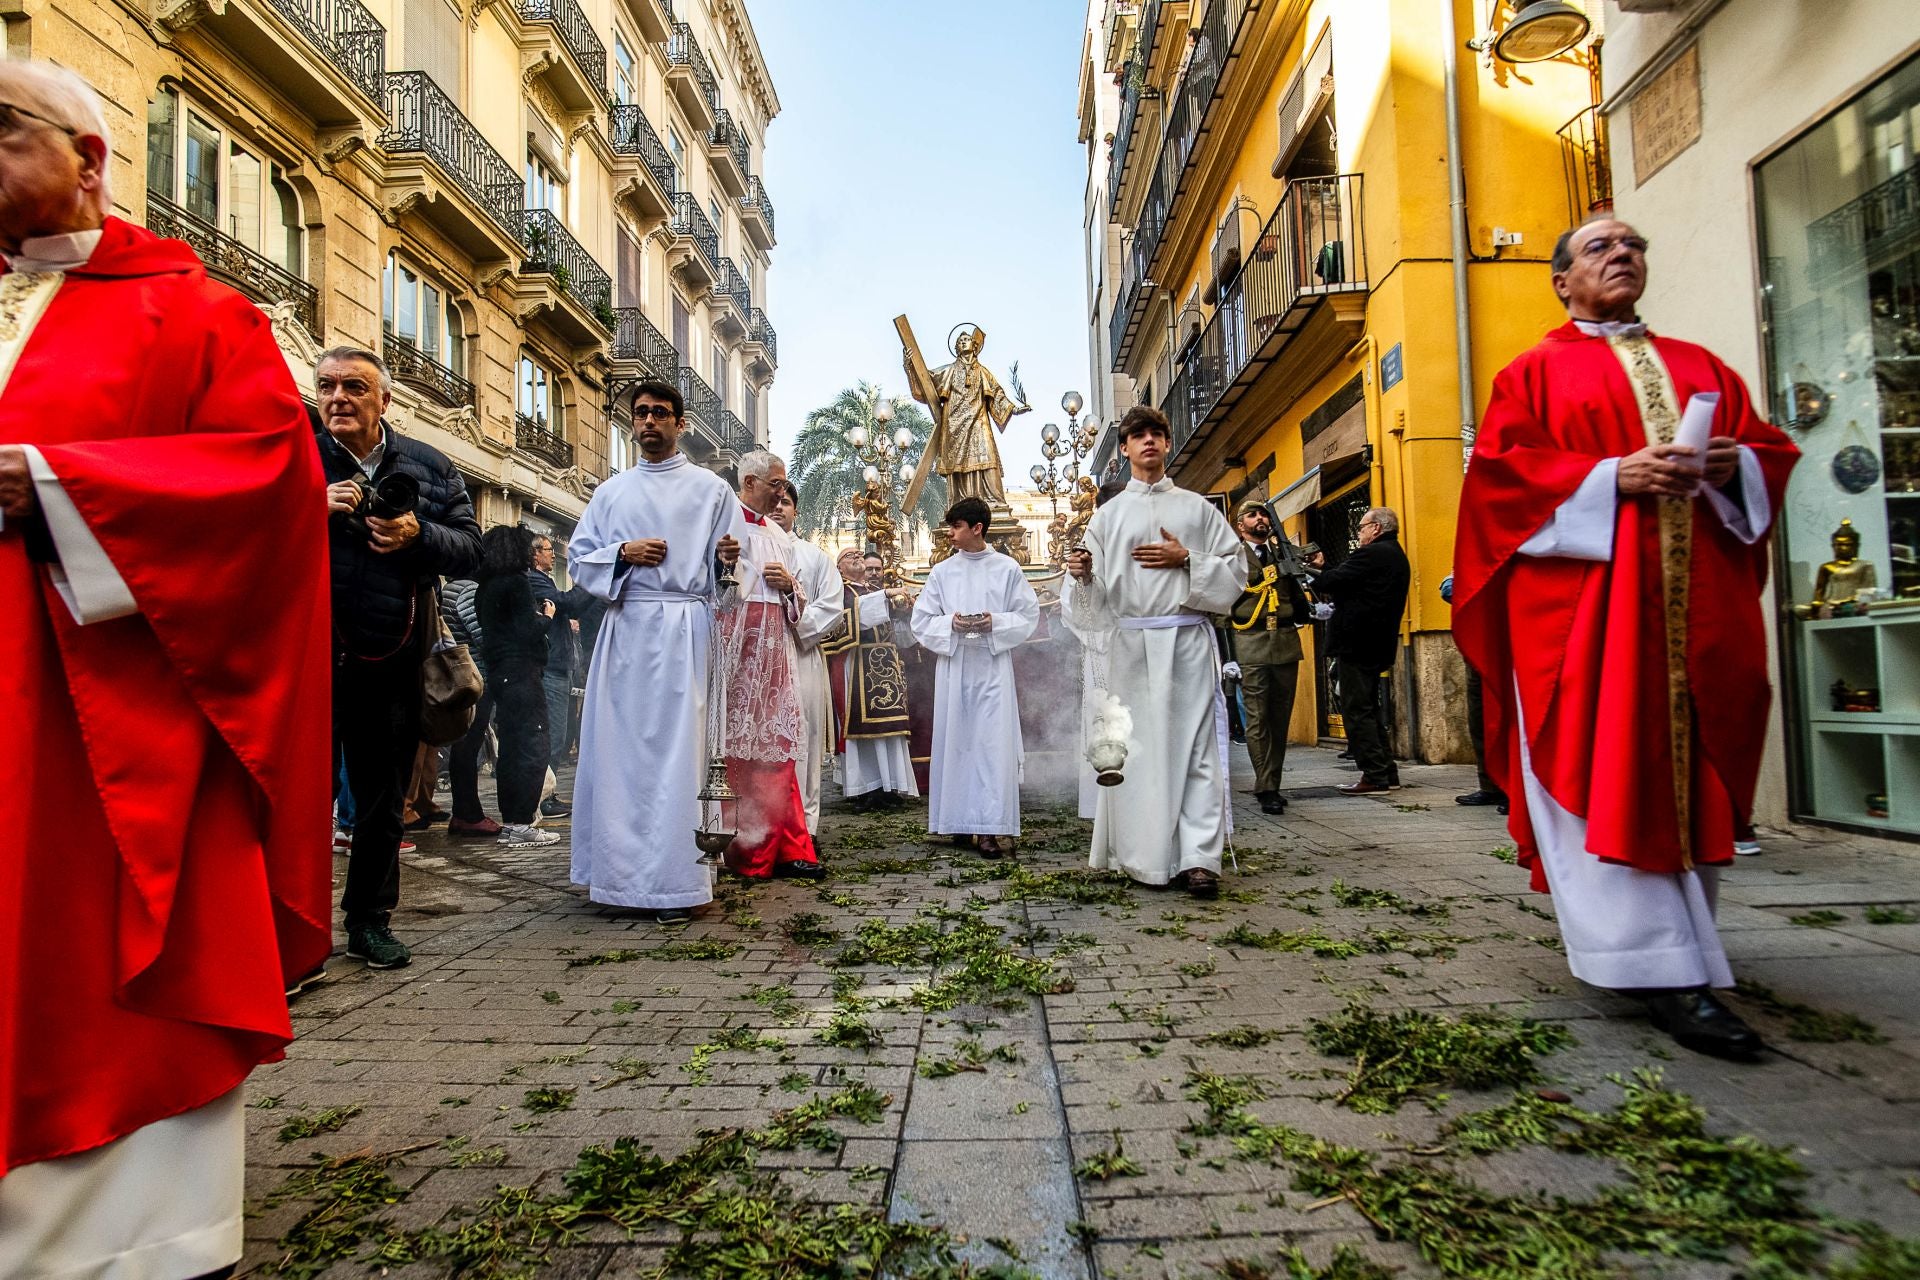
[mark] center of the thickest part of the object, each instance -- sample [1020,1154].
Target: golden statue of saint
[969,406]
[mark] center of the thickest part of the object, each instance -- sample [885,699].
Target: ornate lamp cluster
[886,468]
[1073,444]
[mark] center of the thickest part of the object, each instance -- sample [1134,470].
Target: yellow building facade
[1276,269]
[524,204]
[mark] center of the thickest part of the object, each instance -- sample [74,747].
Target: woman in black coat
[513,651]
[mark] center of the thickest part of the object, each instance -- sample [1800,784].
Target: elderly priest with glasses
[163,841]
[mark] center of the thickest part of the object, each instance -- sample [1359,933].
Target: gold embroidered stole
[24,296]
[1659,405]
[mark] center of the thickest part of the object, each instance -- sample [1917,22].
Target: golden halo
[979,342]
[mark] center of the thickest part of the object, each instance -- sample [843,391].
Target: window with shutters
[720,375]
[435,42]
[750,411]
[629,261]
[195,163]
[682,329]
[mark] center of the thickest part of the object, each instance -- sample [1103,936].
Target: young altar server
[822,617]
[648,543]
[1155,562]
[975,608]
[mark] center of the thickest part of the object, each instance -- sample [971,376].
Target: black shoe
[555,807]
[797,870]
[1199,883]
[301,983]
[1239,739]
[375,944]
[1271,802]
[672,915]
[1480,797]
[1344,755]
[1501,808]
[1698,1021]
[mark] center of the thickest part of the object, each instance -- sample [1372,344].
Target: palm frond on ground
[829,473]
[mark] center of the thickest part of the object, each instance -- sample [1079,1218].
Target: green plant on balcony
[603,311]
[562,277]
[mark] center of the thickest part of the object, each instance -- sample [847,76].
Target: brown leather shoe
[1363,788]
[1200,883]
[990,847]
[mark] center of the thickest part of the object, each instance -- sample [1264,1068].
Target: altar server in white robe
[648,543]
[1155,561]
[822,615]
[975,608]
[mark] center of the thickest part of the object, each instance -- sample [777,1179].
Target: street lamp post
[886,466]
[1057,481]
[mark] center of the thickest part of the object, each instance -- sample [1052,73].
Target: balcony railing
[575,32]
[424,119]
[689,221]
[726,133]
[736,433]
[552,250]
[350,36]
[1860,231]
[1589,167]
[1130,94]
[703,405]
[409,364]
[756,201]
[531,435]
[637,339]
[684,51]
[260,278]
[760,331]
[1313,246]
[633,135]
[732,283]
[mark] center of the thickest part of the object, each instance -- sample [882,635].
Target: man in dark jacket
[382,570]
[1368,593]
[1263,648]
[563,660]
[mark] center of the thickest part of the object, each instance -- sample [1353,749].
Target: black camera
[388,499]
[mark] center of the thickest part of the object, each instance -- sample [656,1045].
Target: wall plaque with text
[1666,116]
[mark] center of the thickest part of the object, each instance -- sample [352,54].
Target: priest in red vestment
[163,664]
[1607,589]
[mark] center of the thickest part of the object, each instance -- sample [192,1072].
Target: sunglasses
[10,120]
[658,412]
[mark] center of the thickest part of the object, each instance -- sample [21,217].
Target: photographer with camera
[398,518]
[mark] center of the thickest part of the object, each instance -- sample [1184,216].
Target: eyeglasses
[1601,248]
[10,123]
[658,412]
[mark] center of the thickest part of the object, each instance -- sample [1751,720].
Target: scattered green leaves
[327,1120]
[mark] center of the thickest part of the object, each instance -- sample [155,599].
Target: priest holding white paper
[648,542]
[1155,562]
[975,608]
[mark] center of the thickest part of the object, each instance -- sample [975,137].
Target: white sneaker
[1746,848]
[518,835]
[342,841]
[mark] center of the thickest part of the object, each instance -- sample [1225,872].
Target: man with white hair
[1367,592]
[766,731]
[163,853]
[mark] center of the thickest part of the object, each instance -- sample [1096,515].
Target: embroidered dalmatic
[1621,641]
[163,857]
[873,720]
[1150,628]
[976,762]
[643,729]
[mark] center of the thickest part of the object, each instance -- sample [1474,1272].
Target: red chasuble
[163,791]
[1586,642]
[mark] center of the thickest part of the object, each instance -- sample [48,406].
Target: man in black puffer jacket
[1368,592]
[381,568]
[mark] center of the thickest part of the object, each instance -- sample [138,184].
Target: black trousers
[1477,731]
[463,763]
[520,725]
[1269,691]
[376,731]
[1365,720]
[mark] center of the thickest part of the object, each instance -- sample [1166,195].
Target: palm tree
[828,472]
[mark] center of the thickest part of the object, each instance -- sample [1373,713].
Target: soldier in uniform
[1263,651]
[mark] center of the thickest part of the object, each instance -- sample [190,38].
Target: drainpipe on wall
[1457,206]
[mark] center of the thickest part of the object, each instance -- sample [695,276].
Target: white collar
[63,252]
[665,464]
[981,554]
[1162,485]
[1612,328]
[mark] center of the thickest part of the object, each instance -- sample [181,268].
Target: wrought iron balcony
[760,333]
[408,364]
[1868,227]
[1589,167]
[632,134]
[1312,249]
[638,340]
[756,206]
[552,251]
[691,224]
[703,405]
[736,433]
[261,279]
[730,286]
[532,436]
[424,121]
[727,147]
[692,76]
[351,37]
[569,21]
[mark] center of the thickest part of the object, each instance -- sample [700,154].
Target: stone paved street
[1165,1044]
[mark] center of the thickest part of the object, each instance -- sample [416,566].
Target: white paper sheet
[1696,428]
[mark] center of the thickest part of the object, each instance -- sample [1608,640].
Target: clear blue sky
[924,162]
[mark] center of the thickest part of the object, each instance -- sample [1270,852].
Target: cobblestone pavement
[1146,1111]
